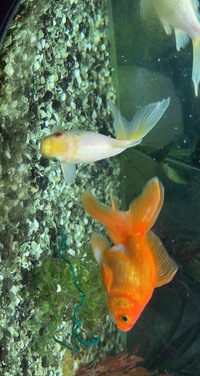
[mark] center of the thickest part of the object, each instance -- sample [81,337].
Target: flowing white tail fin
[142,122]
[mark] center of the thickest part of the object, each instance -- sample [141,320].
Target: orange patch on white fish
[71,147]
[183,17]
[138,261]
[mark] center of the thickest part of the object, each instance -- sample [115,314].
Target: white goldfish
[184,18]
[75,146]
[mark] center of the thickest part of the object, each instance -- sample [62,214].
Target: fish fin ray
[182,39]
[142,122]
[166,26]
[115,221]
[166,267]
[195,66]
[196,8]
[120,124]
[99,246]
[114,203]
[145,209]
[69,172]
[107,276]
[146,118]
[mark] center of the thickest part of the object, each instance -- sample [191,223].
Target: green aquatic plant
[54,294]
[171,164]
[179,160]
[76,328]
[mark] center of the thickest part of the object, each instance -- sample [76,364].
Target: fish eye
[124,318]
[58,134]
[55,159]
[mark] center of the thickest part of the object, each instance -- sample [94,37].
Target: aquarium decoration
[112,364]
[75,335]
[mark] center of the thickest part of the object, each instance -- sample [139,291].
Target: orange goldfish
[183,17]
[138,261]
[71,147]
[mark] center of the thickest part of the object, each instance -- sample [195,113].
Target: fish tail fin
[195,66]
[142,122]
[115,221]
[145,209]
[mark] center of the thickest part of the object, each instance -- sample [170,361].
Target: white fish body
[71,147]
[184,18]
[103,146]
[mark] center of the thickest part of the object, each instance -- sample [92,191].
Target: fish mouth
[45,147]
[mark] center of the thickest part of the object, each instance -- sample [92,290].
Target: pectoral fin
[166,26]
[165,266]
[181,39]
[107,276]
[69,172]
[99,246]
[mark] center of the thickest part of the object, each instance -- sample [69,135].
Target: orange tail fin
[115,221]
[144,210]
[139,218]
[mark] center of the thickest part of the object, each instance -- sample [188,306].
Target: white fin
[196,66]
[196,8]
[166,26]
[181,39]
[141,124]
[165,266]
[120,248]
[120,124]
[99,246]
[146,118]
[69,172]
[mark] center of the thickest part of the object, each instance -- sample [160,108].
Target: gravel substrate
[54,70]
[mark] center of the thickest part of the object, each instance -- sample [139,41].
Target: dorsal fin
[165,266]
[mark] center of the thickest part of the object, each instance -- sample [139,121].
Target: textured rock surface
[54,70]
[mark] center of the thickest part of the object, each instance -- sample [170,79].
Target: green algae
[56,297]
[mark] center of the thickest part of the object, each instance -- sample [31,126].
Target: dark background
[7,10]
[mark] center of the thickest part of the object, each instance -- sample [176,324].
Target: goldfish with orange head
[137,262]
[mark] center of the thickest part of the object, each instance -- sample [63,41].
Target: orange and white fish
[184,18]
[138,261]
[74,146]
